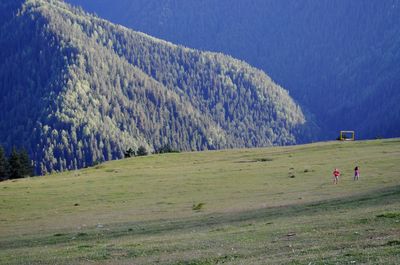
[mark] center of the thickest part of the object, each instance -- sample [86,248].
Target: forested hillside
[340,59]
[76,90]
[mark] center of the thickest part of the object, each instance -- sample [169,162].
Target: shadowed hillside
[340,59]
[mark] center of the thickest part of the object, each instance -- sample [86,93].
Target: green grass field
[251,206]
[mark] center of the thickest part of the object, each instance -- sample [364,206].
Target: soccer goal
[346,136]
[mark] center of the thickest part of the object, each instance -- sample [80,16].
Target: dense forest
[76,90]
[339,59]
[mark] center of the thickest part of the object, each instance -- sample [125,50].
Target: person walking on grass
[356,173]
[336,174]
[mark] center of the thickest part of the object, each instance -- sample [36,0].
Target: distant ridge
[76,90]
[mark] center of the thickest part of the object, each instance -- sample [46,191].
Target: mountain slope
[76,89]
[339,59]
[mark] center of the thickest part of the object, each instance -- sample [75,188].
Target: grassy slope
[140,210]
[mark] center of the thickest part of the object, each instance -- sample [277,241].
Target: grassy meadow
[252,206]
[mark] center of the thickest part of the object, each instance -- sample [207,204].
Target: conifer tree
[15,167]
[129,153]
[142,151]
[3,165]
[26,164]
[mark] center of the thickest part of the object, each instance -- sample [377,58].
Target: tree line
[16,165]
[142,151]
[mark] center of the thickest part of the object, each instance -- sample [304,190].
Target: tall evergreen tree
[26,163]
[129,153]
[142,151]
[15,166]
[3,165]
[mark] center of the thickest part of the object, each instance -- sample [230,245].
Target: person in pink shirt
[336,174]
[356,173]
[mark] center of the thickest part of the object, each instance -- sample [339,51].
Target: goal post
[347,136]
